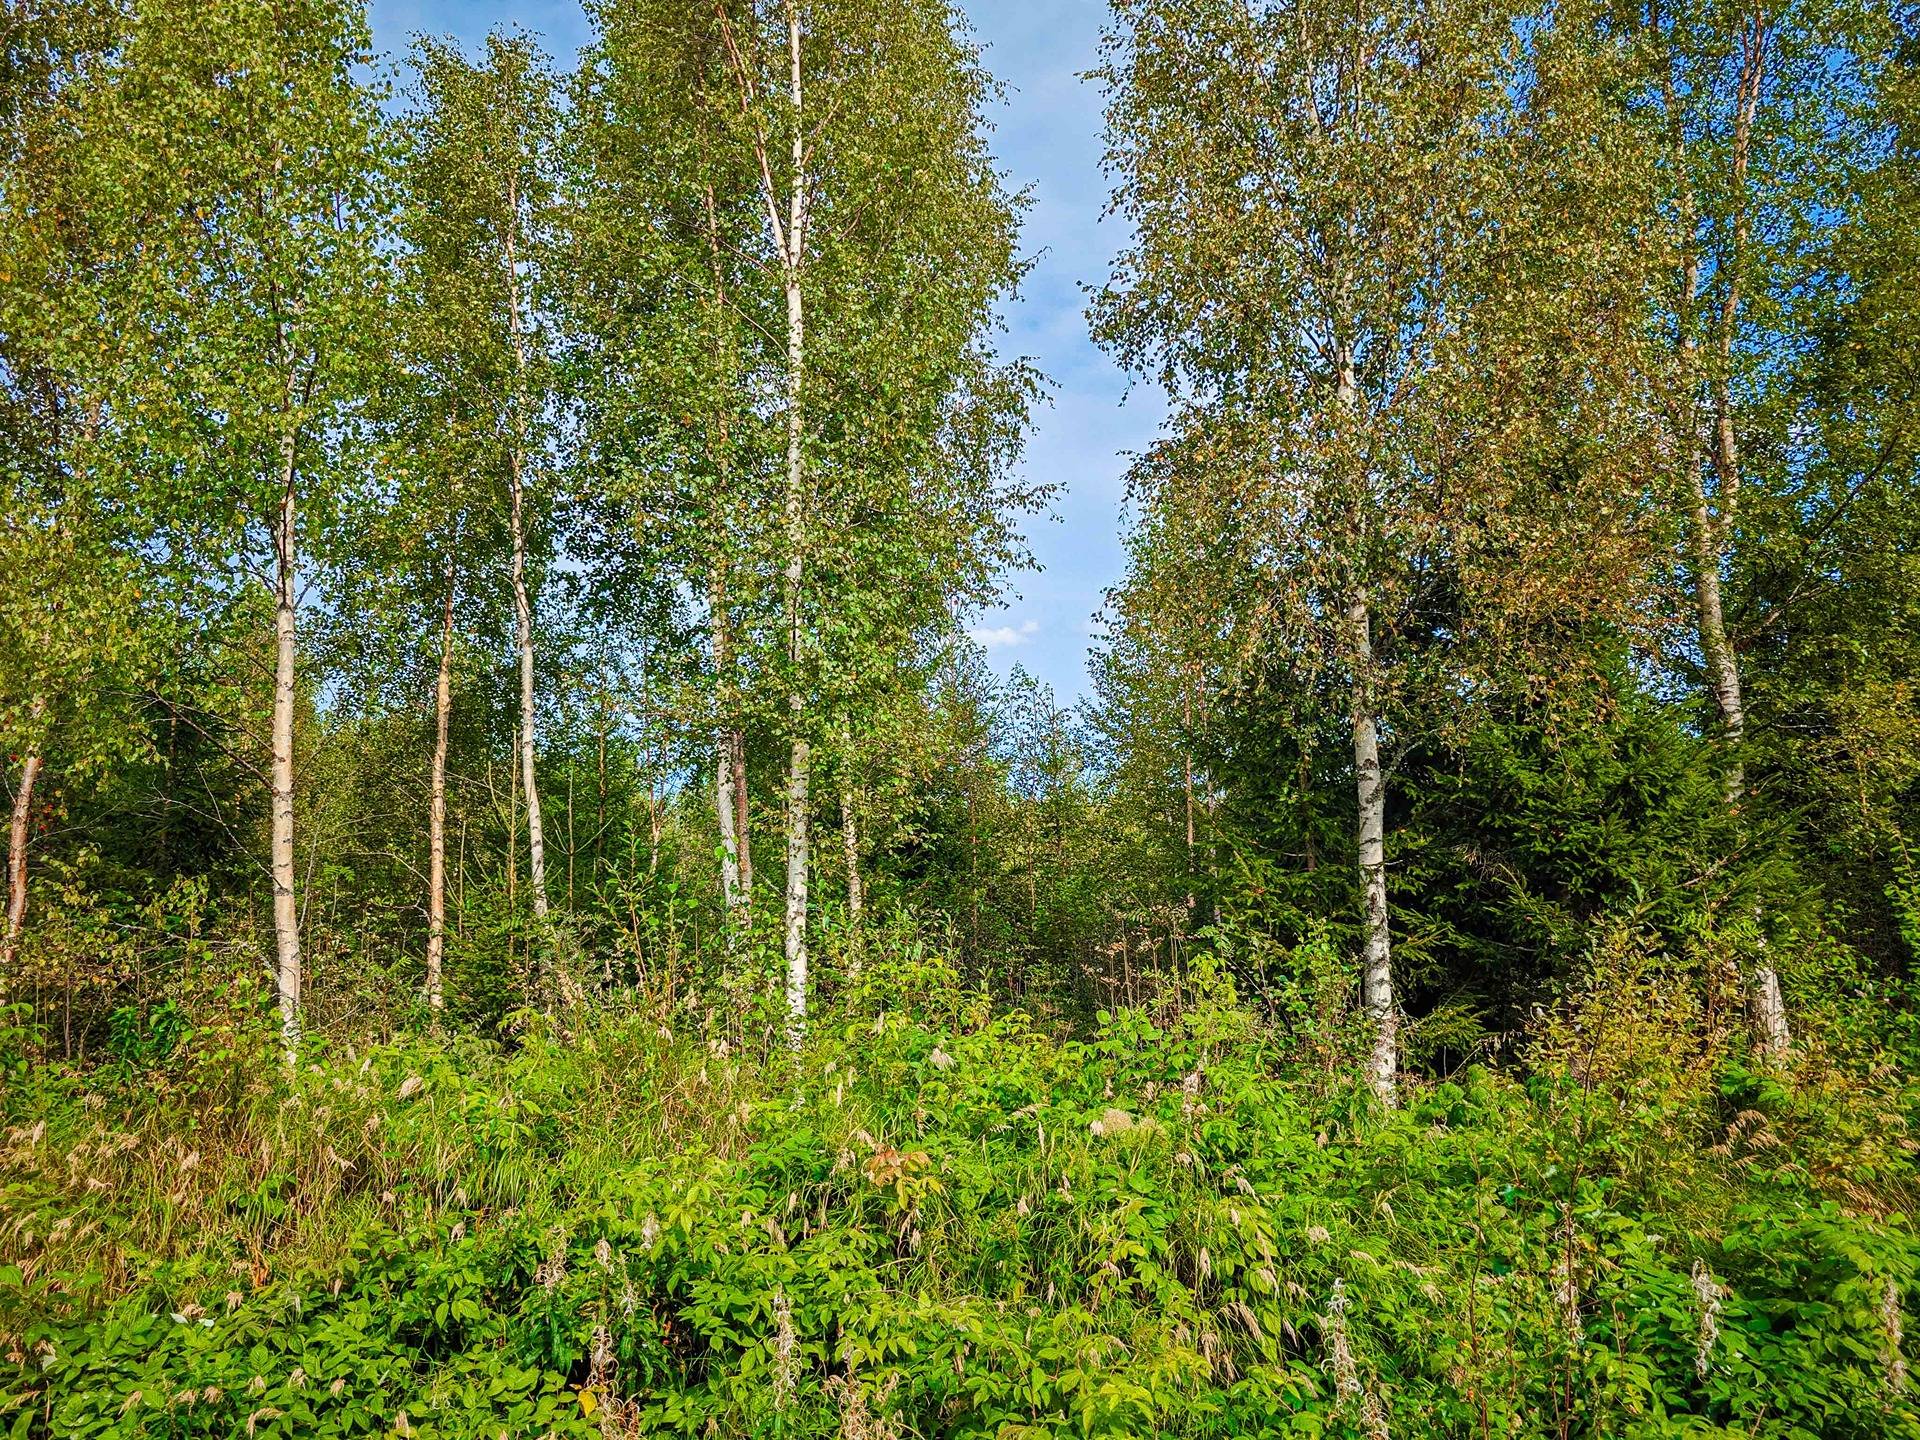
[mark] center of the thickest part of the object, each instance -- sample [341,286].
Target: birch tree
[77,644]
[57,235]
[787,192]
[436,572]
[852,238]
[484,206]
[1760,113]
[678,350]
[1759,116]
[1325,279]
[1826,591]
[889,226]
[252,126]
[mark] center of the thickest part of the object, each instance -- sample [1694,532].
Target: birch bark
[726,805]
[789,233]
[1376,973]
[522,605]
[437,811]
[286,911]
[17,835]
[523,637]
[800,759]
[729,776]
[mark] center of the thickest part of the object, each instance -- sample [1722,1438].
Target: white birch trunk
[799,765]
[725,804]
[1370,830]
[1767,1014]
[437,813]
[727,811]
[17,834]
[1712,532]
[789,238]
[523,635]
[1723,671]
[522,606]
[1376,975]
[728,774]
[286,910]
[800,756]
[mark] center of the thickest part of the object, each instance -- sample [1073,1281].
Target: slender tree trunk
[600,790]
[1303,782]
[437,810]
[1766,1003]
[798,838]
[1712,520]
[728,814]
[523,635]
[800,756]
[743,839]
[1723,670]
[1376,982]
[554,967]
[729,804]
[1767,1014]
[655,819]
[513,816]
[789,234]
[17,834]
[1714,534]
[1370,787]
[726,805]
[286,910]
[522,606]
[1771,1036]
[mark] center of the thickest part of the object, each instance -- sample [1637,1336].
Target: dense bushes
[943,1221]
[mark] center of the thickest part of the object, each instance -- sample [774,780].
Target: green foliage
[1072,1143]
[1536,824]
[942,1220]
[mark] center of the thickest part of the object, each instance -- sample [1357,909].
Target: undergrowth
[934,1218]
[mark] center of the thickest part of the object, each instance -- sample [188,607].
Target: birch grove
[458,511]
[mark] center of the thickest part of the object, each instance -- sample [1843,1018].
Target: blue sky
[1047,136]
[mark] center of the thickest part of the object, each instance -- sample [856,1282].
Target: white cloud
[996,637]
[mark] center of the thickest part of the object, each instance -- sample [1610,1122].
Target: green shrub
[943,1220]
